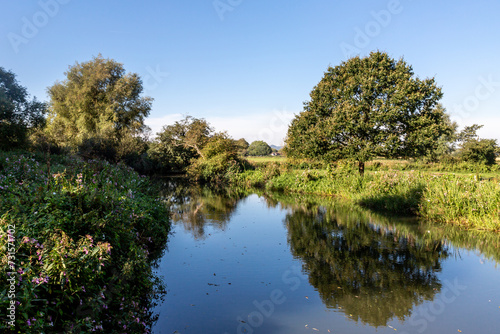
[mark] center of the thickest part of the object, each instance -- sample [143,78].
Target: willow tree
[367,107]
[97,100]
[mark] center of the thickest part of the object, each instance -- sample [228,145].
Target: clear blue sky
[247,66]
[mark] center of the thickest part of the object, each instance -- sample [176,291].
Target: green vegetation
[368,107]
[177,145]
[86,236]
[97,102]
[242,146]
[465,200]
[191,146]
[218,162]
[266,159]
[259,148]
[87,229]
[18,115]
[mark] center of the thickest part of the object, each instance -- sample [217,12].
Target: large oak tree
[366,107]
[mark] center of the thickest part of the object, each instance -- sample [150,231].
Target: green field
[267,158]
[380,164]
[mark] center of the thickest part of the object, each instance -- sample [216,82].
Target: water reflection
[371,267]
[370,273]
[196,207]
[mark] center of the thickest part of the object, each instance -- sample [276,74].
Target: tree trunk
[361,165]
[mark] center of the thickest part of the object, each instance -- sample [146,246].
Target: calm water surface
[287,264]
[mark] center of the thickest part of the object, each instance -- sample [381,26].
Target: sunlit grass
[268,158]
[468,200]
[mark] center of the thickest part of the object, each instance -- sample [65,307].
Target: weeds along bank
[465,200]
[78,241]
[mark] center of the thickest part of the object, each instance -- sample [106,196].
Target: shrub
[479,151]
[86,237]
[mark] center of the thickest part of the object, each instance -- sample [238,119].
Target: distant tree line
[364,108]
[98,111]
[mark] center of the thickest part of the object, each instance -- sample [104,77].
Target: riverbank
[84,237]
[467,200]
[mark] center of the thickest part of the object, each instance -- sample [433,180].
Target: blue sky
[248,66]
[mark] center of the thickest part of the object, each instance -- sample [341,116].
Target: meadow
[464,194]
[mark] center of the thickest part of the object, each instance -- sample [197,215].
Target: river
[271,263]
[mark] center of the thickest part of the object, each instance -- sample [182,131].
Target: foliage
[218,160]
[445,144]
[469,133]
[259,148]
[242,146]
[476,150]
[86,236]
[18,114]
[178,144]
[96,100]
[473,203]
[366,107]
[483,151]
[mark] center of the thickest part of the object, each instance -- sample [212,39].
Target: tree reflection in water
[196,207]
[371,273]
[372,267]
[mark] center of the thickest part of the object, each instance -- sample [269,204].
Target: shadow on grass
[403,203]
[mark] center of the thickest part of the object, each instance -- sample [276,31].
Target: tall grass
[465,200]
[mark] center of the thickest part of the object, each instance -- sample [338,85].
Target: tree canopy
[366,107]
[97,99]
[474,149]
[18,114]
[259,148]
[242,146]
[178,144]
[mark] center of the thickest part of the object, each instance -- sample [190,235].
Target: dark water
[276,264]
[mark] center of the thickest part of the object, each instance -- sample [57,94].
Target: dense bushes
[218,161]
[86,235]
[481,151]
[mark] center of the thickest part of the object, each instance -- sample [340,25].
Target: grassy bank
[467,200]
[78,240]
